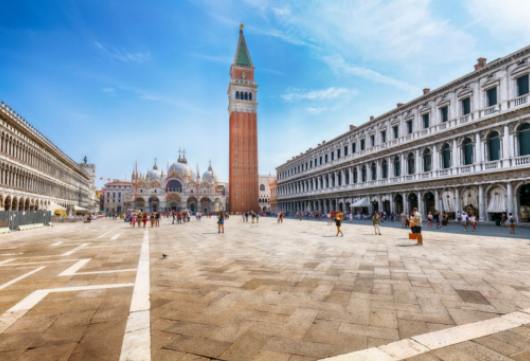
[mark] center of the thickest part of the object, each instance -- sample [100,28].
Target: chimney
[426,91]
[372,117]
[352,127]
[399,105]
[481,63]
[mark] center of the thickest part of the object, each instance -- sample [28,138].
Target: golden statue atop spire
[241,26]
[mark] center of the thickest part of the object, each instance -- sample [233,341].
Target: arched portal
[154,204]
[523,197]
[192,204]
[139,203]
[14,204]
[429,202]
[206,205]
[413,201]
[173,201]
[27,206]
[398,202]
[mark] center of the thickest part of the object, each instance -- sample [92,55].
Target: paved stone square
[266,291]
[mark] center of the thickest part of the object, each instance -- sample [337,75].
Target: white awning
[80,209]
[361,203]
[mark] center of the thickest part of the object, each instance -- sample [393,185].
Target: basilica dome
[180,170]
[154,174]
[209,176]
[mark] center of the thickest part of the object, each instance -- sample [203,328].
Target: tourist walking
[157,219]
[144,219]
[415,226]
[376,222]
[338,222]
[221,222]
[465,220]
[133,220]
[429,219]
[152,219]
[473,222]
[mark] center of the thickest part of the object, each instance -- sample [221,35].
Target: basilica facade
[176,188]
[464,146]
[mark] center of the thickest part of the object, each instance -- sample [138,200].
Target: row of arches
[17,178]
[444,156]
[16,203]
[488,203]
[173,202]
[33,156]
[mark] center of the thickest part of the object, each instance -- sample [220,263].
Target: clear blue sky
[132,80]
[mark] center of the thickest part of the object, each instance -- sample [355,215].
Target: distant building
[464,146]
[178,188]
[243,152]
[117,195]
[273,186]
[92,203]
[264,198]
[36,174]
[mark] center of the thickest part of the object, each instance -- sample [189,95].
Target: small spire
[155,166]
[242,57]
[210,166]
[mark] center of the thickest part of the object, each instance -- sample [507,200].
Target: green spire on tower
[242,57]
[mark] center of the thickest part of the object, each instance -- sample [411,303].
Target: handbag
[412,236]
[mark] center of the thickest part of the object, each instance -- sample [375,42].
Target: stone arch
[470,200]
[27,205]
[522,193]
[429,202]
[206,205]
[218,205]
[413,201]
[398,204]
[191,204]
[173,201]
[7,203]
[496,199]
[139,203]
[14,204]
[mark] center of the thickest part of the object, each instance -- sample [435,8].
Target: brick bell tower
[242,92]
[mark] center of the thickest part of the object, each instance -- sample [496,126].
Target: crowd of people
[413,220]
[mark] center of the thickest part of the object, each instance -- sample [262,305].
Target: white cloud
[124,55]
[331,93]
[504,18]
[339,65]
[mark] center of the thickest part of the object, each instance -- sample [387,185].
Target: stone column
[506,147]
[405,203]
[390,167]
[509,198]
[458,201]
[456,156]
[417,157]
[481,204]
[421,207]
[350,171]
[478,149]
[392,205]
[437,202]
[435,158]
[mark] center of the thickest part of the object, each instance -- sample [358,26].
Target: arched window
[446,156]
[374,171]
[363,173]
[384,169]
[249,96]
[467,151]
[173,186]
[238,95]
[355,175]
[523,137]
[494,146]
[427,160]
[397,167]
[410,163]
[262,187]
[245,95]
